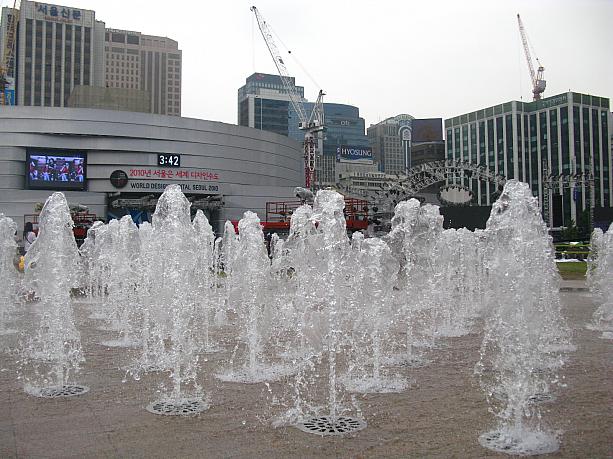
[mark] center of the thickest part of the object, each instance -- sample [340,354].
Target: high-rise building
[61,47]
[129,100]
[402,141]
[58,48]
[264,103]
[147,63]
[345,145]
[566,134]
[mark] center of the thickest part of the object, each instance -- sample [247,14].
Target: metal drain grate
[540,398]
[325,425]
[503,442]
[533,399]
[187,407]
[67,390]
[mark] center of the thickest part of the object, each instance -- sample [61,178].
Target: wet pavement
[441,415]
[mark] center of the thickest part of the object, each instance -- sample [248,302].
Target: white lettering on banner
[354,151]
[58,13]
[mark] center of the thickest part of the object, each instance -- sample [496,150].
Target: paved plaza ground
[441,415]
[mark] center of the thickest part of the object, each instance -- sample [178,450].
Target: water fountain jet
[170,265]
[524,326]
[9,279]
[52,271]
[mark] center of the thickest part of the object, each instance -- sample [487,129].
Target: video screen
[56,170]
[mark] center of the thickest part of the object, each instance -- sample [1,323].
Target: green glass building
[568,134]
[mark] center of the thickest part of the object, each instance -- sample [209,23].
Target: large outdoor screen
[56,170]
[427,130]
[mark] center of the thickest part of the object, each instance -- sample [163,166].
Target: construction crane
[538,83]
[313,126]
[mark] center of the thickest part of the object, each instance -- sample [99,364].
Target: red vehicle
[279,213]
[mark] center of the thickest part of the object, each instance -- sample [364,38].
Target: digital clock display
[169,160]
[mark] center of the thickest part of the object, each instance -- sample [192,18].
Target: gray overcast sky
[436,58]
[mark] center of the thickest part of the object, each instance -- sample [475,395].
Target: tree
[571,232]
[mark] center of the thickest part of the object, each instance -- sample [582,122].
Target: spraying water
[122,255]
[524,330]
[9,279]
[171,261]
[599,278]
[89,253]
[249,290]
[52,270]
[325,413]
[205,278]
[375,275]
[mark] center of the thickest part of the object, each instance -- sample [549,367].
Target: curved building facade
[119,162]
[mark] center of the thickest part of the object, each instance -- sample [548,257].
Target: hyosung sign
[349,154]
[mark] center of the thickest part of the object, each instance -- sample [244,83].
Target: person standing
[28,236]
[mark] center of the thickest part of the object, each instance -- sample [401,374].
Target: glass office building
[263,103]
[344,127]
[565,134]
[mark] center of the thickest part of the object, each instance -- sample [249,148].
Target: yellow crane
[7,64]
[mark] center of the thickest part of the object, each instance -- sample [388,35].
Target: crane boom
[283,73]
[538,83]
[312,125]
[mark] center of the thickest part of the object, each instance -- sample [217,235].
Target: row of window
[120,57]
[560,162]
[117,84]
[115,37]
[113,77]
[129,65]
[112,70]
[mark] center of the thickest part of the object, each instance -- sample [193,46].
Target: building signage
[356,155]
[9,97]
[174,174]
[63,14]
[158,186]
[169,159]
[546,103]
[147,180]
[427,130]
[119,179]
[129,32]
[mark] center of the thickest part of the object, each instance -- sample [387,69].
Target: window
[509,150]
[553,133]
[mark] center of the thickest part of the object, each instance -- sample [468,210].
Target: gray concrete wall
[252,166]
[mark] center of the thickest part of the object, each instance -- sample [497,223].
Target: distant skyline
[430,59]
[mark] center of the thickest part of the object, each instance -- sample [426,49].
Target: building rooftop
[506,107]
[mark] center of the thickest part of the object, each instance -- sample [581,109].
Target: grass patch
[572,270]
